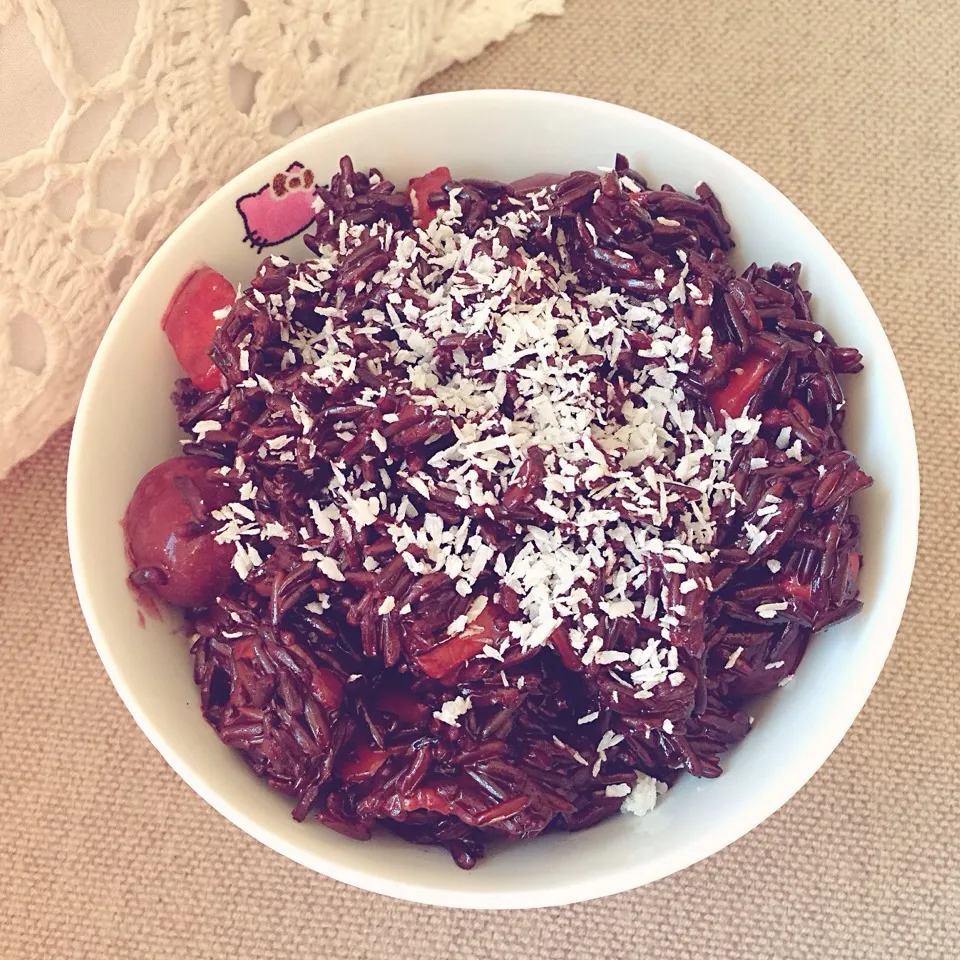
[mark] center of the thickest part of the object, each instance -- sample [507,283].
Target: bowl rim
[556,893]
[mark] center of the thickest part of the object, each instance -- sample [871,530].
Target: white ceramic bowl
[126,424]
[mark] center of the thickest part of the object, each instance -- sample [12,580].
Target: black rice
[329,665]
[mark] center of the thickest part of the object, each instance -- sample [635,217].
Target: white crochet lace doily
[117,117]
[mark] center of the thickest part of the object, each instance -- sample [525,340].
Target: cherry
[170,538]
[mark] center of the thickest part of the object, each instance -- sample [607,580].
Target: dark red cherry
[170,534]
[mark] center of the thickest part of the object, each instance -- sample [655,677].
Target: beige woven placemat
[852,109]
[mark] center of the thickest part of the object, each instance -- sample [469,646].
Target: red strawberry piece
[427,798]
[450,655]
[420,189]
[364,763]
[189,323]
[402,704]
[744,381]
[792,587]
[327,686]
[242,649]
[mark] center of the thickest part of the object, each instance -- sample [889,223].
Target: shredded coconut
[643,797]
[453,710]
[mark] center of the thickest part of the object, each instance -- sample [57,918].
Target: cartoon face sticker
[279,210]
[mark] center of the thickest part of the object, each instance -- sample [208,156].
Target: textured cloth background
[852,109]
[119,116]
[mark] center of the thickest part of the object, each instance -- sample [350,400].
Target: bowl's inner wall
[127,424]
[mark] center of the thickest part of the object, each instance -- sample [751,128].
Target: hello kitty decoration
[279,210]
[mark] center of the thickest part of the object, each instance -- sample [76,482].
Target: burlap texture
[851,109]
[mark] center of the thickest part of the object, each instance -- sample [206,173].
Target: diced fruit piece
[189,323]
[453,653]
[242,649]
[402,704]
[427,798]
[420,188]
[327,686]
[448,656]
[743,383]
[171,547]
[794,588]
[364,763]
